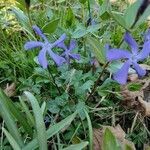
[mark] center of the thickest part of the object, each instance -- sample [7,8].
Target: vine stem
[97,81]
[53,78]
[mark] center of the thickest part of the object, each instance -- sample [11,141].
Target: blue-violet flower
[132,58]
[46,48]
[68,50]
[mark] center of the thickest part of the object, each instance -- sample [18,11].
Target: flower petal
[57,59]
[138,69]
[115,54]
[131,42]
[72,45]
[144,53]
[147,36]
[107,47]
[32,44]
[42,58]
[39,32]
[61,39]
[62,45]
[122,74]
[75,56]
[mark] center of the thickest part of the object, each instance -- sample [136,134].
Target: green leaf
[42,1]
[82,1]
[9,120]
[22,3]
[51,26]
[79,32]
[51,131]
[97,48]
[22,19]
[90,130]
[131,13]
[11,140]
[128,147]
[84,88]
[60,1]
[70,18]
[144,17]
[104,8]
[134,86]
[119,18]
[93,28]
[105,16]
[79,146]
[18,115]
[27,112]
[109,141]
[43,107]
[40,126]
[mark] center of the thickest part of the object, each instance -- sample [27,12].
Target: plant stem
[97,81]
[53,78]
[29,17]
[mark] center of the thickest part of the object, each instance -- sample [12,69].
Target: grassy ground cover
[74,74]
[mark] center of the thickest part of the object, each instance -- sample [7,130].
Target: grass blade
[52,131]
[97,48]
[79,146]
[8,118]
[40,126]
[27,112]
[11,140]
[90,130]
[17,114]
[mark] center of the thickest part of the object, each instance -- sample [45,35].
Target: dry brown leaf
[145,105]
[118,133]
[133,77]
[138,100]
[97,139]
[10,90]
[146,147]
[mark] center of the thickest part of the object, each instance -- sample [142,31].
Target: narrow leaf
[128,147]
[9,120]
[51,26]
[22,19]
[27,112]
[11,140]
[97,48]
[79,32]
[21,2]
[131,13]
[17,114]
[119,18]
[90,130]
[109,141]
[143,17]
[79,146]
[40,126]
[52,131]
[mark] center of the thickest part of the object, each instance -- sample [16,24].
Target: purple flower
[132,58]
[68,50]
[147,35]
[46,48]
